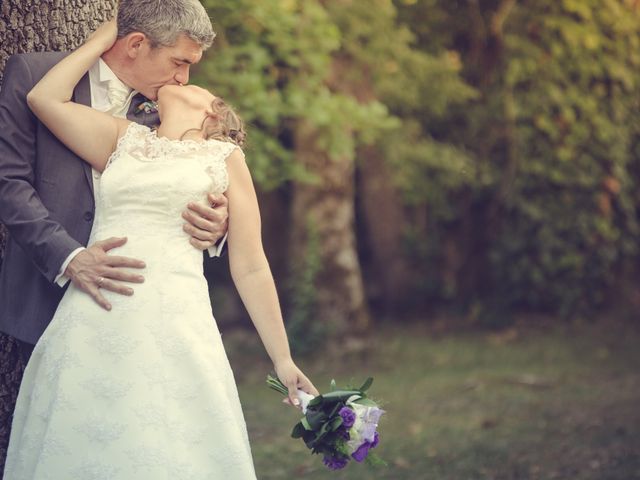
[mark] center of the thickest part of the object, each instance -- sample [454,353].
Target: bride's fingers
[306,386]
[309,388]
[287,401]
[293,395]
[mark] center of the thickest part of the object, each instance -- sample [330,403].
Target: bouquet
[341,425]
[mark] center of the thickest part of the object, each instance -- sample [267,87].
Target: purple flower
[335,463]
[348,416]
[361,453]
[363,450]
[376,439]
[343,433]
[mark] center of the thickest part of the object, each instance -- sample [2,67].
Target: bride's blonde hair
[223,124]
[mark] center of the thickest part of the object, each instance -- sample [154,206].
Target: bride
[145,391]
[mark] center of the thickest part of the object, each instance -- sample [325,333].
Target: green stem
[275,384]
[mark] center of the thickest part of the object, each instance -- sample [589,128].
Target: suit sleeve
[29,223]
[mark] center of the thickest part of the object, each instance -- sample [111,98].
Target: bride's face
[178,97]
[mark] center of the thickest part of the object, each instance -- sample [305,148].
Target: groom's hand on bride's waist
[207,223]
[93,268]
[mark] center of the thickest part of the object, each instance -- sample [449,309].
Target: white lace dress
[145,391]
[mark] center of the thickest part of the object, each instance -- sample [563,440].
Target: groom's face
[156,67]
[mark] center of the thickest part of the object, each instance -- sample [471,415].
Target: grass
[560,403]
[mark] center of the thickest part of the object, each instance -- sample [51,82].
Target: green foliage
[549,182]
[306,332]
[571,216]
[272,61]
[512,129]
[262,50]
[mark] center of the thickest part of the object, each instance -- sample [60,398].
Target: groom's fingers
[111,243]
[122,275]
[200,234]
[199,244]
[126,262]
[115,287]
[199,221]
[94,292]
[218,212]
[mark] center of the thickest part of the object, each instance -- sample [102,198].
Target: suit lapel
[82,95]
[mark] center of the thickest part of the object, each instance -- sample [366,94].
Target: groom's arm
[42,238]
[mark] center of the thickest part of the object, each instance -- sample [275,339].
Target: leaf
[365,386]
[298,430]
[315,419]
[366,402]
[340,395]
[335,424]
[305,423]
[335,410]
[275,384]
[334,387]
[375,461]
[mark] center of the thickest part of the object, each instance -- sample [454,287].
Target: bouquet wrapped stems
[341,424]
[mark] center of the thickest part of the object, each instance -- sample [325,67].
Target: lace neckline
[156,147]
[196,144]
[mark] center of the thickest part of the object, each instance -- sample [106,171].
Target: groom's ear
[134,43]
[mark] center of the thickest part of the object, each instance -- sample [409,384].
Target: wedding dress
[145,391]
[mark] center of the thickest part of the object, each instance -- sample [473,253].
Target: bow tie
[147,107]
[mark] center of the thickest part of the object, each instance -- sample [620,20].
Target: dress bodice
[147,184]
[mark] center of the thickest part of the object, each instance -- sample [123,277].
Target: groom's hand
[207,224]
[93,268]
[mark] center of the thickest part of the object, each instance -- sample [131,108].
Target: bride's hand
[294,379]
[105,35]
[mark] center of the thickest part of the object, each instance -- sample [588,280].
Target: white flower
[365,425]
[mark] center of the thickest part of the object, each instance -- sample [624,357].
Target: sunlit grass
[556,404]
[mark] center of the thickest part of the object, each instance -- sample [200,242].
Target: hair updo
[224,124]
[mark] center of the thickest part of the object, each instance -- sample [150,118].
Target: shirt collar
[104,72]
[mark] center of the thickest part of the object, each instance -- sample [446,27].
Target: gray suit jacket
[46,200]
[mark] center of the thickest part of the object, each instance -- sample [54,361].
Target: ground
[557,402]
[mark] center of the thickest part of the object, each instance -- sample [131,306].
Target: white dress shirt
[99,76]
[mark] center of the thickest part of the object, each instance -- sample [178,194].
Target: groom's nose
[182,74]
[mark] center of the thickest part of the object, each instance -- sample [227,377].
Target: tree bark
[323,214]
[29,26]
[384,220]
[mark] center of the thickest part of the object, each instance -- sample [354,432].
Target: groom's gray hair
[163,21]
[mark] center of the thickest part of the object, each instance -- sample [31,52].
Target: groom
[47,192]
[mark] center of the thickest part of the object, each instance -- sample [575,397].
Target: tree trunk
[29,26]
[384,220]
[323,226]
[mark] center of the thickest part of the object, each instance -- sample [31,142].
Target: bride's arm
[92,135]
[252,276]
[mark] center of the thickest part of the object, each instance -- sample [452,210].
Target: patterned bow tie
[147,107]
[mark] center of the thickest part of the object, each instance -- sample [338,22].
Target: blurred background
[451,204]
